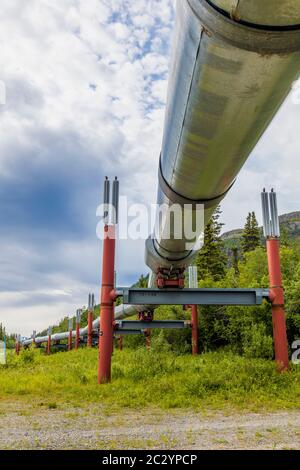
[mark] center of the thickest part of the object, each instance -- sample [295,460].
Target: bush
[257,343]
[27,356]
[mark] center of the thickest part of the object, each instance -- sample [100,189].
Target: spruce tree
[212,260]
[255,231]
[246,234]
[142,282]
[251,235]
[235,260]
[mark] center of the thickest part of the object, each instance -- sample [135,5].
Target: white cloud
[79,97]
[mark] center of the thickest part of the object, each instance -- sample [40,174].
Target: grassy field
[141,378]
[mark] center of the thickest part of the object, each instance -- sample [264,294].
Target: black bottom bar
[136,459]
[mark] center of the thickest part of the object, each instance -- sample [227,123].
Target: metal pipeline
[232,67]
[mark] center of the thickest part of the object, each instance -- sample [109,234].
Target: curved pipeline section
[232,67]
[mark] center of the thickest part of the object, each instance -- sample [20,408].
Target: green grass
[149,378]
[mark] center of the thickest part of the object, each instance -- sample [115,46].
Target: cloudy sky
[86,84]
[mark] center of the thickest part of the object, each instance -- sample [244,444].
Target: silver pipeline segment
[274,214]
[78,315]
[265,213]
[115,202]
[106,200]
[232,67]
[260,33]
[267,13]
[91,304]
[271,225]
[193,277]
[111,211]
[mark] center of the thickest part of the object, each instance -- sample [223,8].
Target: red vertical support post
[106,331]
[146,316]
[148,338]
[17,346]
[70,338]
[195,339]
[107,305]
[277,299]
[90,329]
[272,234]
[77,336]
[193,284]
[120,341]
[90,320]
[48,348]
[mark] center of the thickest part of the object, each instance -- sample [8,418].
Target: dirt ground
[38,426]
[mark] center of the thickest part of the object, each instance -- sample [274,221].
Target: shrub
[257,343]
[27,356]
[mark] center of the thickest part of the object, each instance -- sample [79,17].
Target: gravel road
[37,426]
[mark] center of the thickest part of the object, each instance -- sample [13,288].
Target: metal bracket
[167,278]
[146,316]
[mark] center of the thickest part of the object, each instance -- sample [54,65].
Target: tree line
[212,259]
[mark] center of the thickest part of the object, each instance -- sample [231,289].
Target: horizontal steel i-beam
[128,332]
[138,325]
[137,296]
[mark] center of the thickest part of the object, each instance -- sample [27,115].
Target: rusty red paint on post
[107,305]
[277,299]
[146,316]
[120,341]
[48,349]
[148,338]
[195,337]
[90,329]
[77,335]
[18,347]
[70,338]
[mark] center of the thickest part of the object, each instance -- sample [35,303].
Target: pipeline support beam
[107,305]
[143,296]
[70,338]
[272,234]
[77,333]
[91,306]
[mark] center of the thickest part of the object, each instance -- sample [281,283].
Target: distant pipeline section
[121,311]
